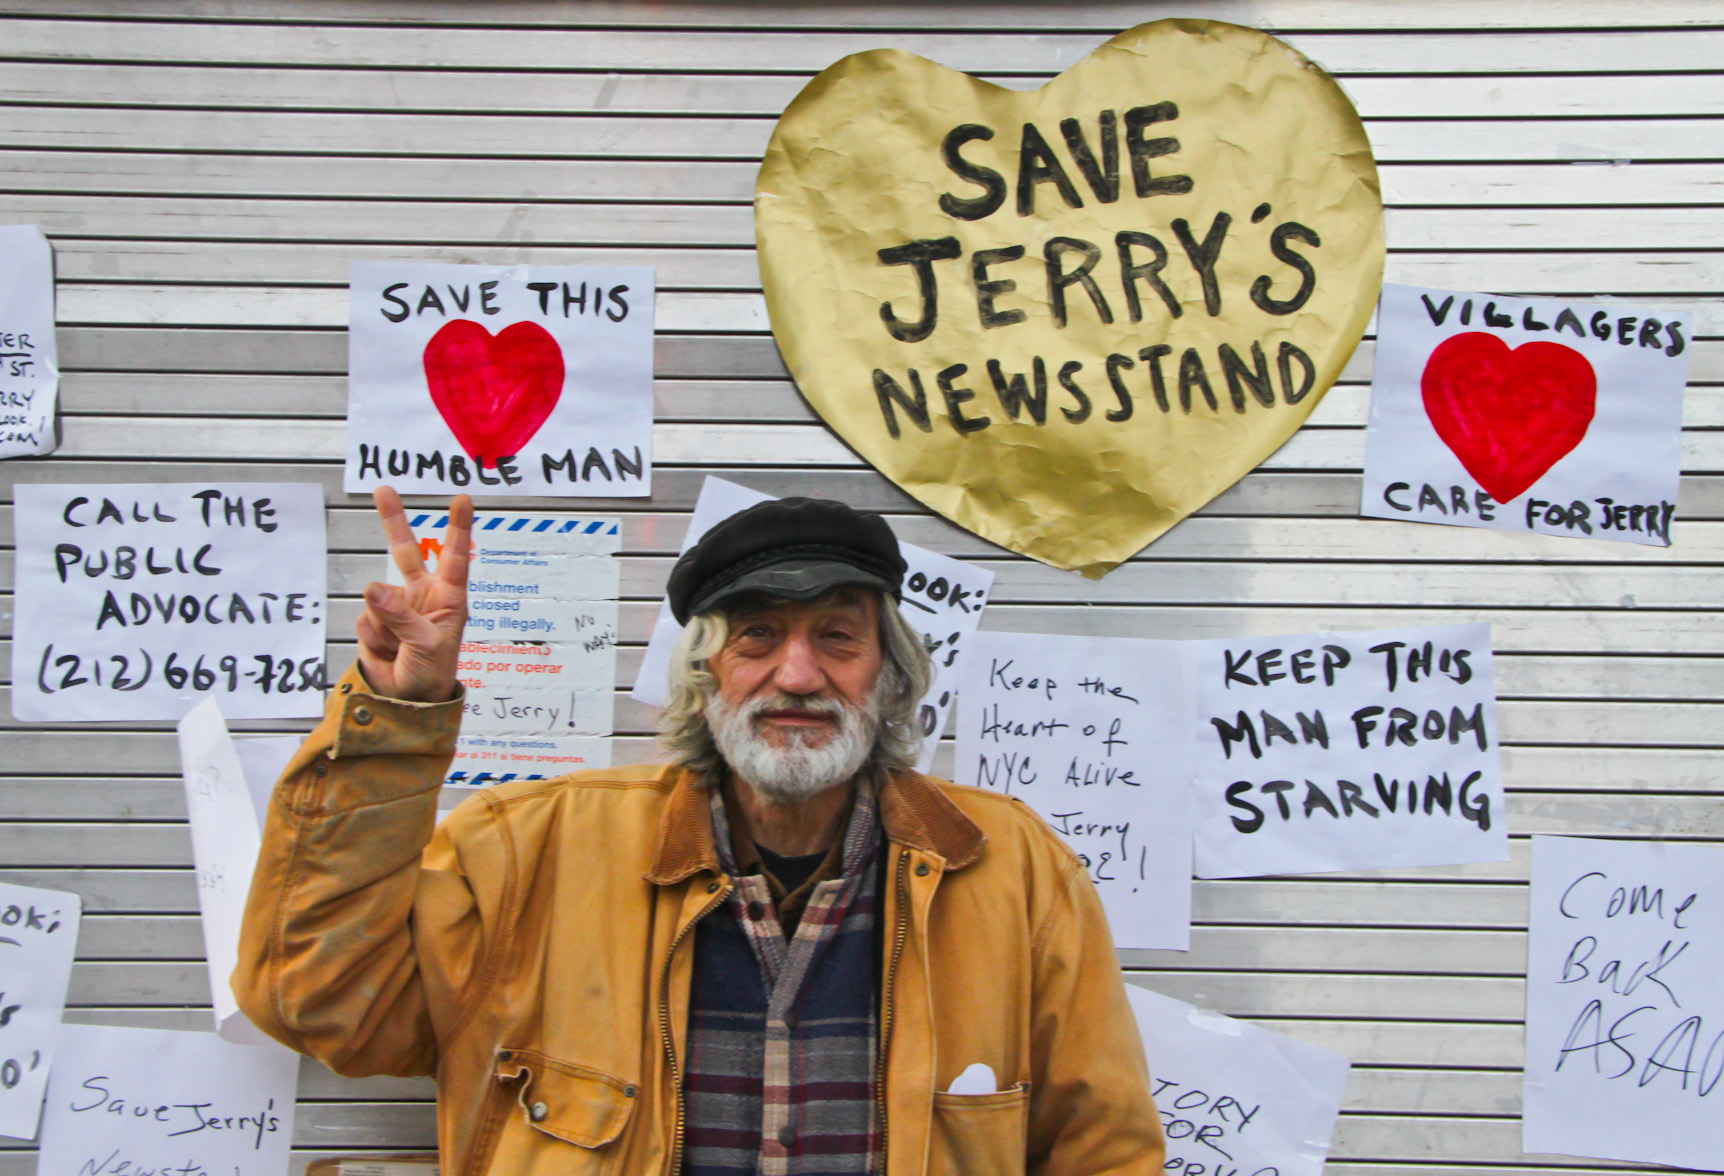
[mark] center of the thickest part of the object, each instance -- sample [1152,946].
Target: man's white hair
[905,675]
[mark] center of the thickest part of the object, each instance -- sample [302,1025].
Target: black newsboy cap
[795,548]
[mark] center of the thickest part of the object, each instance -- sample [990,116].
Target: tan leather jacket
[534,952]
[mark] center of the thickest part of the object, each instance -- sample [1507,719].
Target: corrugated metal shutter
[207,168]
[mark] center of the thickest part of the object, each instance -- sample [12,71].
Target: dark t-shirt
[791,872]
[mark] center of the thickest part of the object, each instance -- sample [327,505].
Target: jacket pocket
[979,1134]
[575,1104]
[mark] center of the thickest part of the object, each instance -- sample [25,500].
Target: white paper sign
[135,601]
[943,601]
[1562,418]
[1624,1009]
[1347,751]
[520,380]
[538,656]
[226,823]
[38,937]
[123,1102]
[1090,732]
[29,359]
[262,759]
[1234,1098]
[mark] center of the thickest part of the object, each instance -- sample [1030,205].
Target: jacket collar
[913,810]
[916,812]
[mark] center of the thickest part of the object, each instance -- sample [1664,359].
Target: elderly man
[777,954]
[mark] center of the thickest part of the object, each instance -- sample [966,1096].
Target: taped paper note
[1624,1012]
[1235,1098]
[225,800]
[1559,418]
[538,656]
[136,601]
[1088,731]
[126,1101]
[500,379]
[1347,751]
[29,355]
[38,937]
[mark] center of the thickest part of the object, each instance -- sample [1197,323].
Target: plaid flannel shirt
[783,1032]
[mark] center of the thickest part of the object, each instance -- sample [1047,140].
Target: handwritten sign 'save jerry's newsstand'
[123,1102]
[1066,317]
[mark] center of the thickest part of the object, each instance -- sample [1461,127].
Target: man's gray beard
[795,771]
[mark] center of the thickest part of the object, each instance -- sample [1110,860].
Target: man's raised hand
[410,636]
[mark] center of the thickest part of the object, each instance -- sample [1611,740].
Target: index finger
[403,547]
[458,545]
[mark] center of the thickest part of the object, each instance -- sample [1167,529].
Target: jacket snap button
[362,715]
[320,770]
[346,687]
[628,1092]
[504,1055]
[786,1135]
[538,1111]
[922,869]
[712,887]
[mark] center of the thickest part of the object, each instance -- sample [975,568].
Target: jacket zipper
[664,1027]
[899,933]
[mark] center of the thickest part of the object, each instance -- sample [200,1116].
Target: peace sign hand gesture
[410,636]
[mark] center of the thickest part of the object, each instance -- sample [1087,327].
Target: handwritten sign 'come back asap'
[1136,281]
[1624,1012]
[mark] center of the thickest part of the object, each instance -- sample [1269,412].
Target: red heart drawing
[1508,415]
[494,390]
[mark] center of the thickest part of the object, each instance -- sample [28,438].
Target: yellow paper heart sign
[1066,319]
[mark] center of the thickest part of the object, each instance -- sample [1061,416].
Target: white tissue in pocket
[978,1078]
